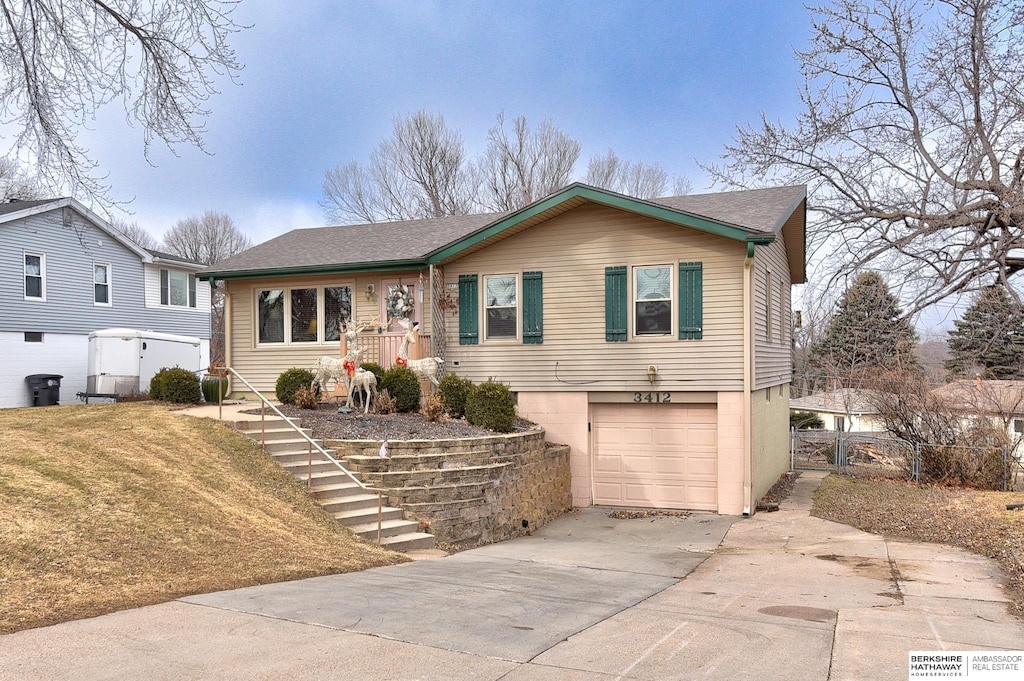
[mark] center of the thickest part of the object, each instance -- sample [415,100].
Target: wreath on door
[400,302]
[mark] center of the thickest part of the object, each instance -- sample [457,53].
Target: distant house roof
[160,256]
[754,216]
[15,205]
[842,401]
[982,397]
[14,210]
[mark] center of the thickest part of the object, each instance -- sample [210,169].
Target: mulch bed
[325,423]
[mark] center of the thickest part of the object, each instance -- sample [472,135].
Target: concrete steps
[348,502]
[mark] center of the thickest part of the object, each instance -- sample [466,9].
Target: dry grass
[971,519]
[107,507]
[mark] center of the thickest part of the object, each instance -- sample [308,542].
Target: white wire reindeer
[428,367]
[365,382]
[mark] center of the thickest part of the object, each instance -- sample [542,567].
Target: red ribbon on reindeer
[401,361]
[350,367]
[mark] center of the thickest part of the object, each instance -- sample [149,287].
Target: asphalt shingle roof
[14,206]
[757,211]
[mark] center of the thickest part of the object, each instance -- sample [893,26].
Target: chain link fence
[881,455]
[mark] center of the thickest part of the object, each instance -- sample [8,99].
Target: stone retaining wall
[469,491]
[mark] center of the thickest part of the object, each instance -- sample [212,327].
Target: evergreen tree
[989,337]
[868,331]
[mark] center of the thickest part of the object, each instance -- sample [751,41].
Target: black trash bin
[45,389]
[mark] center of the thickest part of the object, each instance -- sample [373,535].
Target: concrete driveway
[780,595]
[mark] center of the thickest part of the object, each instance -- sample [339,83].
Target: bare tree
[133,232]
[16,184]
[209,238]
[961,430]
[911,139]
[520,168]
[642,180]
[421,171]
[61,60]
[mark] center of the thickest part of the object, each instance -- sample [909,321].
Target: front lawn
[107,507]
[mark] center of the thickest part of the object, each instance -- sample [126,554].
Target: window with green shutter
[691,300]
[533,308]
[616,303]
[469,333]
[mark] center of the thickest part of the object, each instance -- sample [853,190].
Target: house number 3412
[652,397]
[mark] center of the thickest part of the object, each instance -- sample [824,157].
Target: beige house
[847,409]
[652,336]
[999,401]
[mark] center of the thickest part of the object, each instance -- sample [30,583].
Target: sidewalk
[782,596]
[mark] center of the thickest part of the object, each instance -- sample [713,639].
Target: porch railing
[311,443]
[382,349]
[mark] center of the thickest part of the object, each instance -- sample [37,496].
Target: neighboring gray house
[67,273]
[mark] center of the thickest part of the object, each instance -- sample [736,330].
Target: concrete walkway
[778,596]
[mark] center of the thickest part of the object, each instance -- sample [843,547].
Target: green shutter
[533,308]
[191,290]
[691,300]
[165,296]
[468,314]
[616,297]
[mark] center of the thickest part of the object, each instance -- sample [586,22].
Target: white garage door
[655,455]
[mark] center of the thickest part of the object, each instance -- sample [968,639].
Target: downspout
[748,377]
[227,326]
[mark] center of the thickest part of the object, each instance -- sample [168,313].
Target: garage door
[655,455]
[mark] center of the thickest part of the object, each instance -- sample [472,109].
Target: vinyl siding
[572,250]
[773,362]
[770,438]
[70,250]
[262,364]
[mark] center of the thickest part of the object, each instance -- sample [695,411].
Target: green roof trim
[348,268]
[605,198]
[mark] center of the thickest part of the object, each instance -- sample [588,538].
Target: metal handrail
[310,441]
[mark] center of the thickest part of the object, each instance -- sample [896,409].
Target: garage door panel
[608,464]
[634,465]
[670,436]
[670,466]
[638,494]
[655,455]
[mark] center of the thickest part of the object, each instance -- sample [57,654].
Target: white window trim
[42,276]
[109,284]
[673,277]
[518,307]
[188,299]
[321,319]
[769,296]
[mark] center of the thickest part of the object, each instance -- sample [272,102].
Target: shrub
[491,405]
[433,409]
[384,403]
[377,370]
[307,398]
[805,420]
[177,385]
[291,380]
[453,392]
[402,384]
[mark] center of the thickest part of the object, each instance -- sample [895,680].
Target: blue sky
[664,82]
